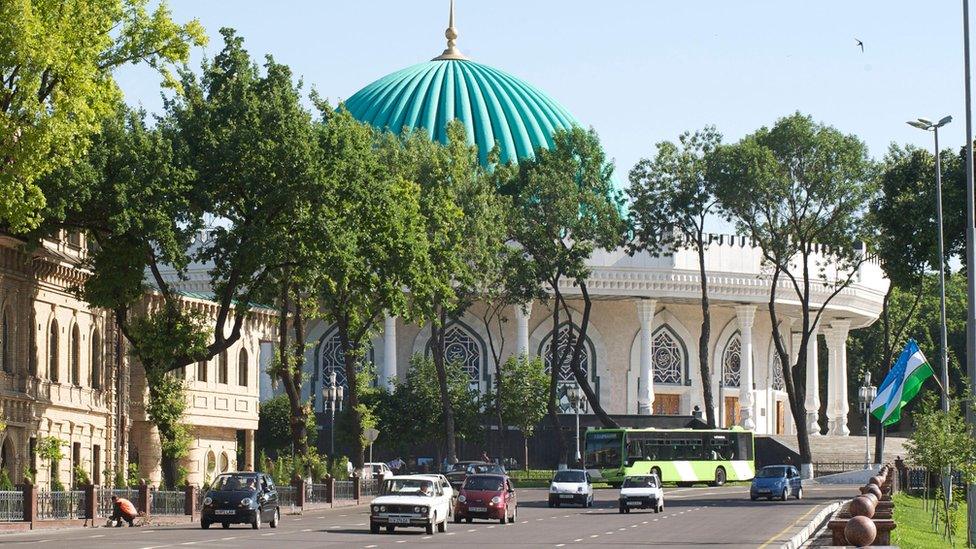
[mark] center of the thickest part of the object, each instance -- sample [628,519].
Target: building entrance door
[666,405]
[732,416]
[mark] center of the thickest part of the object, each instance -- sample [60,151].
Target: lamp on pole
[928,125]
[576,399]
[332,393]
[866,395]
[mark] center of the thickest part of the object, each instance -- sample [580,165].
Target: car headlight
[376,508]
[423,510]
[416,509]
[553,489]
[579,488]
[382,508]
[207,500]
[246,502]
[462,499]
[496,500]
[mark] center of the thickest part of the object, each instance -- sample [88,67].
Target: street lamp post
[576,398]
[332,393]
[866,395]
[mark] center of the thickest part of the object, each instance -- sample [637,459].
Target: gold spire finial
[451,34]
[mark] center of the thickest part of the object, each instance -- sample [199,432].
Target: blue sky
[638,71]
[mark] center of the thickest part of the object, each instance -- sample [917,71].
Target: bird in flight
[860,44]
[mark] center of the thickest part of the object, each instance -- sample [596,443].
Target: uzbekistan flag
[901,384]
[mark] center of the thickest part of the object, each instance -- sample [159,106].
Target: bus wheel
[656,471]
[719,476]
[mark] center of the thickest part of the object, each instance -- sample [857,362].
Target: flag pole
[970,263]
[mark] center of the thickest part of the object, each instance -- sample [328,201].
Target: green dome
[493,106]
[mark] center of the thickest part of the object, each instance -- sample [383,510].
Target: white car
[410,501]
[571,486]
[445,485]
[641,492]
[374,470]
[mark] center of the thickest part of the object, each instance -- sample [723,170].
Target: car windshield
[640,482]
[569,476]
[234,483]
[409,486]
[484,484]
[772,472]
[458,467]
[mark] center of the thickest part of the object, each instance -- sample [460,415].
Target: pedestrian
[396,464]
[122,509]
[484,457]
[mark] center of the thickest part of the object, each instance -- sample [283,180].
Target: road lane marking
[188,543]
[307,530]
[560,544]
[268,534]
[492,526]
[621,529]
[523,522]
[98,536]
[401,541]
[450,533]
[538,519]
[228,539]
[578,539]
[426,537]
[645,522]
[472,530]
[788,528]
[595,535]
[370,546]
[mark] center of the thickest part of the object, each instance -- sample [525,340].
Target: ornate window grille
[566,339]
[333,359]
[732,362]
[777,366]
[461,348]
[668,358]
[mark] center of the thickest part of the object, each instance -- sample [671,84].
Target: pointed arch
[74,355]
[774,378]
[464,346]
[243,367]
[95,369]
[670,357]
[587,361]
[53,358]
[330,358]
[732,361]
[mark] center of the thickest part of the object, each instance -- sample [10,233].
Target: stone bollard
[860,531]
[30,503]
[91,503]
[862,506]
[190,500]
[330,490]
[299,485]
[357,487]
[143,503]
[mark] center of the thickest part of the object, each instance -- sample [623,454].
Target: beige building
[64,373]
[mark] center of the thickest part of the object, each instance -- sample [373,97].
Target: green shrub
[80,476]
[56,485]
[5,483]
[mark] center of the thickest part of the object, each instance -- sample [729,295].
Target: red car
[490,497]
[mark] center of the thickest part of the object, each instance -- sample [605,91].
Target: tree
[462,218]
[56,85]
[523,388]
[565,207]
[368,242]
[904,211]
[274,434]
[799,190]
[49,449]
[672,199]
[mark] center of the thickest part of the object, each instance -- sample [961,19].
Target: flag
[901,384]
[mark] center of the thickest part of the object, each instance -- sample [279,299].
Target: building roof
[494,106]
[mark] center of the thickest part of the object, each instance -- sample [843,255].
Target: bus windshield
[603,450]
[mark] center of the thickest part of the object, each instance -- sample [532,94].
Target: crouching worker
[122,509]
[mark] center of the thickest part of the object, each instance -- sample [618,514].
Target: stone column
[830,337]
[389,352]
[249,450]
[645,396]
[841,328]
[794,355]
[746,316]
[812,400]
[522,314]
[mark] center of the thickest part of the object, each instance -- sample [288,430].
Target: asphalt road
[693,517]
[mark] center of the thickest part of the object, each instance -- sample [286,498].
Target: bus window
[603,450]
[635,451]
[744,444]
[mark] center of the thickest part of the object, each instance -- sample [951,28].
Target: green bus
[685,456]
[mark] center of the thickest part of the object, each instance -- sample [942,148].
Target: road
[693,517]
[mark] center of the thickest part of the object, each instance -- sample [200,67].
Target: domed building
[641,351]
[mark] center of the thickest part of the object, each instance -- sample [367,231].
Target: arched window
[330,358]
[462,347]
[95,379]
[222,367]
[668,357]
[52,352]
[776,368]
[211,462]
[6,351]
[732,362]
[242,368]
[566,339]
[74,356]
[224,462]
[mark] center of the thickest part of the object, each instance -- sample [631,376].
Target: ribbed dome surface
[493,106]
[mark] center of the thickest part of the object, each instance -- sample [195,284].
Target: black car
[457,473]
[241,498]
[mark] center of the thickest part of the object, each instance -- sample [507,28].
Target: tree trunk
[551,409]
[703,339]
[525,448]
[291,379]
[578,373]
[350,350]
[447,407]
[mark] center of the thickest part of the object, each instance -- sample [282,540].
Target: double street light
[578,400]
[866,395]
[332,393]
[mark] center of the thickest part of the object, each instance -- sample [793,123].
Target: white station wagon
[410,501]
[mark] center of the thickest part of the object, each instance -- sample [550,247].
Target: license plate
[763,492]
[566,496]
[634,503]
[399,520]
[477,509]
[224,511]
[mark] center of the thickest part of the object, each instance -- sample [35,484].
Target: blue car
[776,481]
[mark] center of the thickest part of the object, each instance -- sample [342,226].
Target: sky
[638,71]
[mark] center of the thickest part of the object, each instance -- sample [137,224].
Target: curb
[812,527]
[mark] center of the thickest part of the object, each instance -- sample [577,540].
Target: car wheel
[275,519]
[430,526]
[374,528]
[799,493]
[442,526]
[457,518]
[753,498]
[514,515]
[504,518]
[225,525]
[719,477]
[786,494]
[256,523]
[657,508]
[556,504]
[204,524]
[660,508]
[468,520]
[623,509]
[390,529]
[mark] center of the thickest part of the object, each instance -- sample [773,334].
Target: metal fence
[370,488]
[103,499]
[287,496]
[60,505]
[344,490]
[167,502]
[532,475]
[316,493]
[11,506]
[918,477]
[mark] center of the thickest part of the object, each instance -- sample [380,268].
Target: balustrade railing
[167,502]
[11,506]
[60,505]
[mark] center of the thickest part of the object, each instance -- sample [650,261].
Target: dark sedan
[241,498]
[458,472]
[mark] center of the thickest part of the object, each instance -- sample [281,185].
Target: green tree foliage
[6,484]
[797,189]
[368,243]
[524,389]
[274,434]
[56,85]
[49,449]
[672,199]
[564,207]
[463,222]
[413,415]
